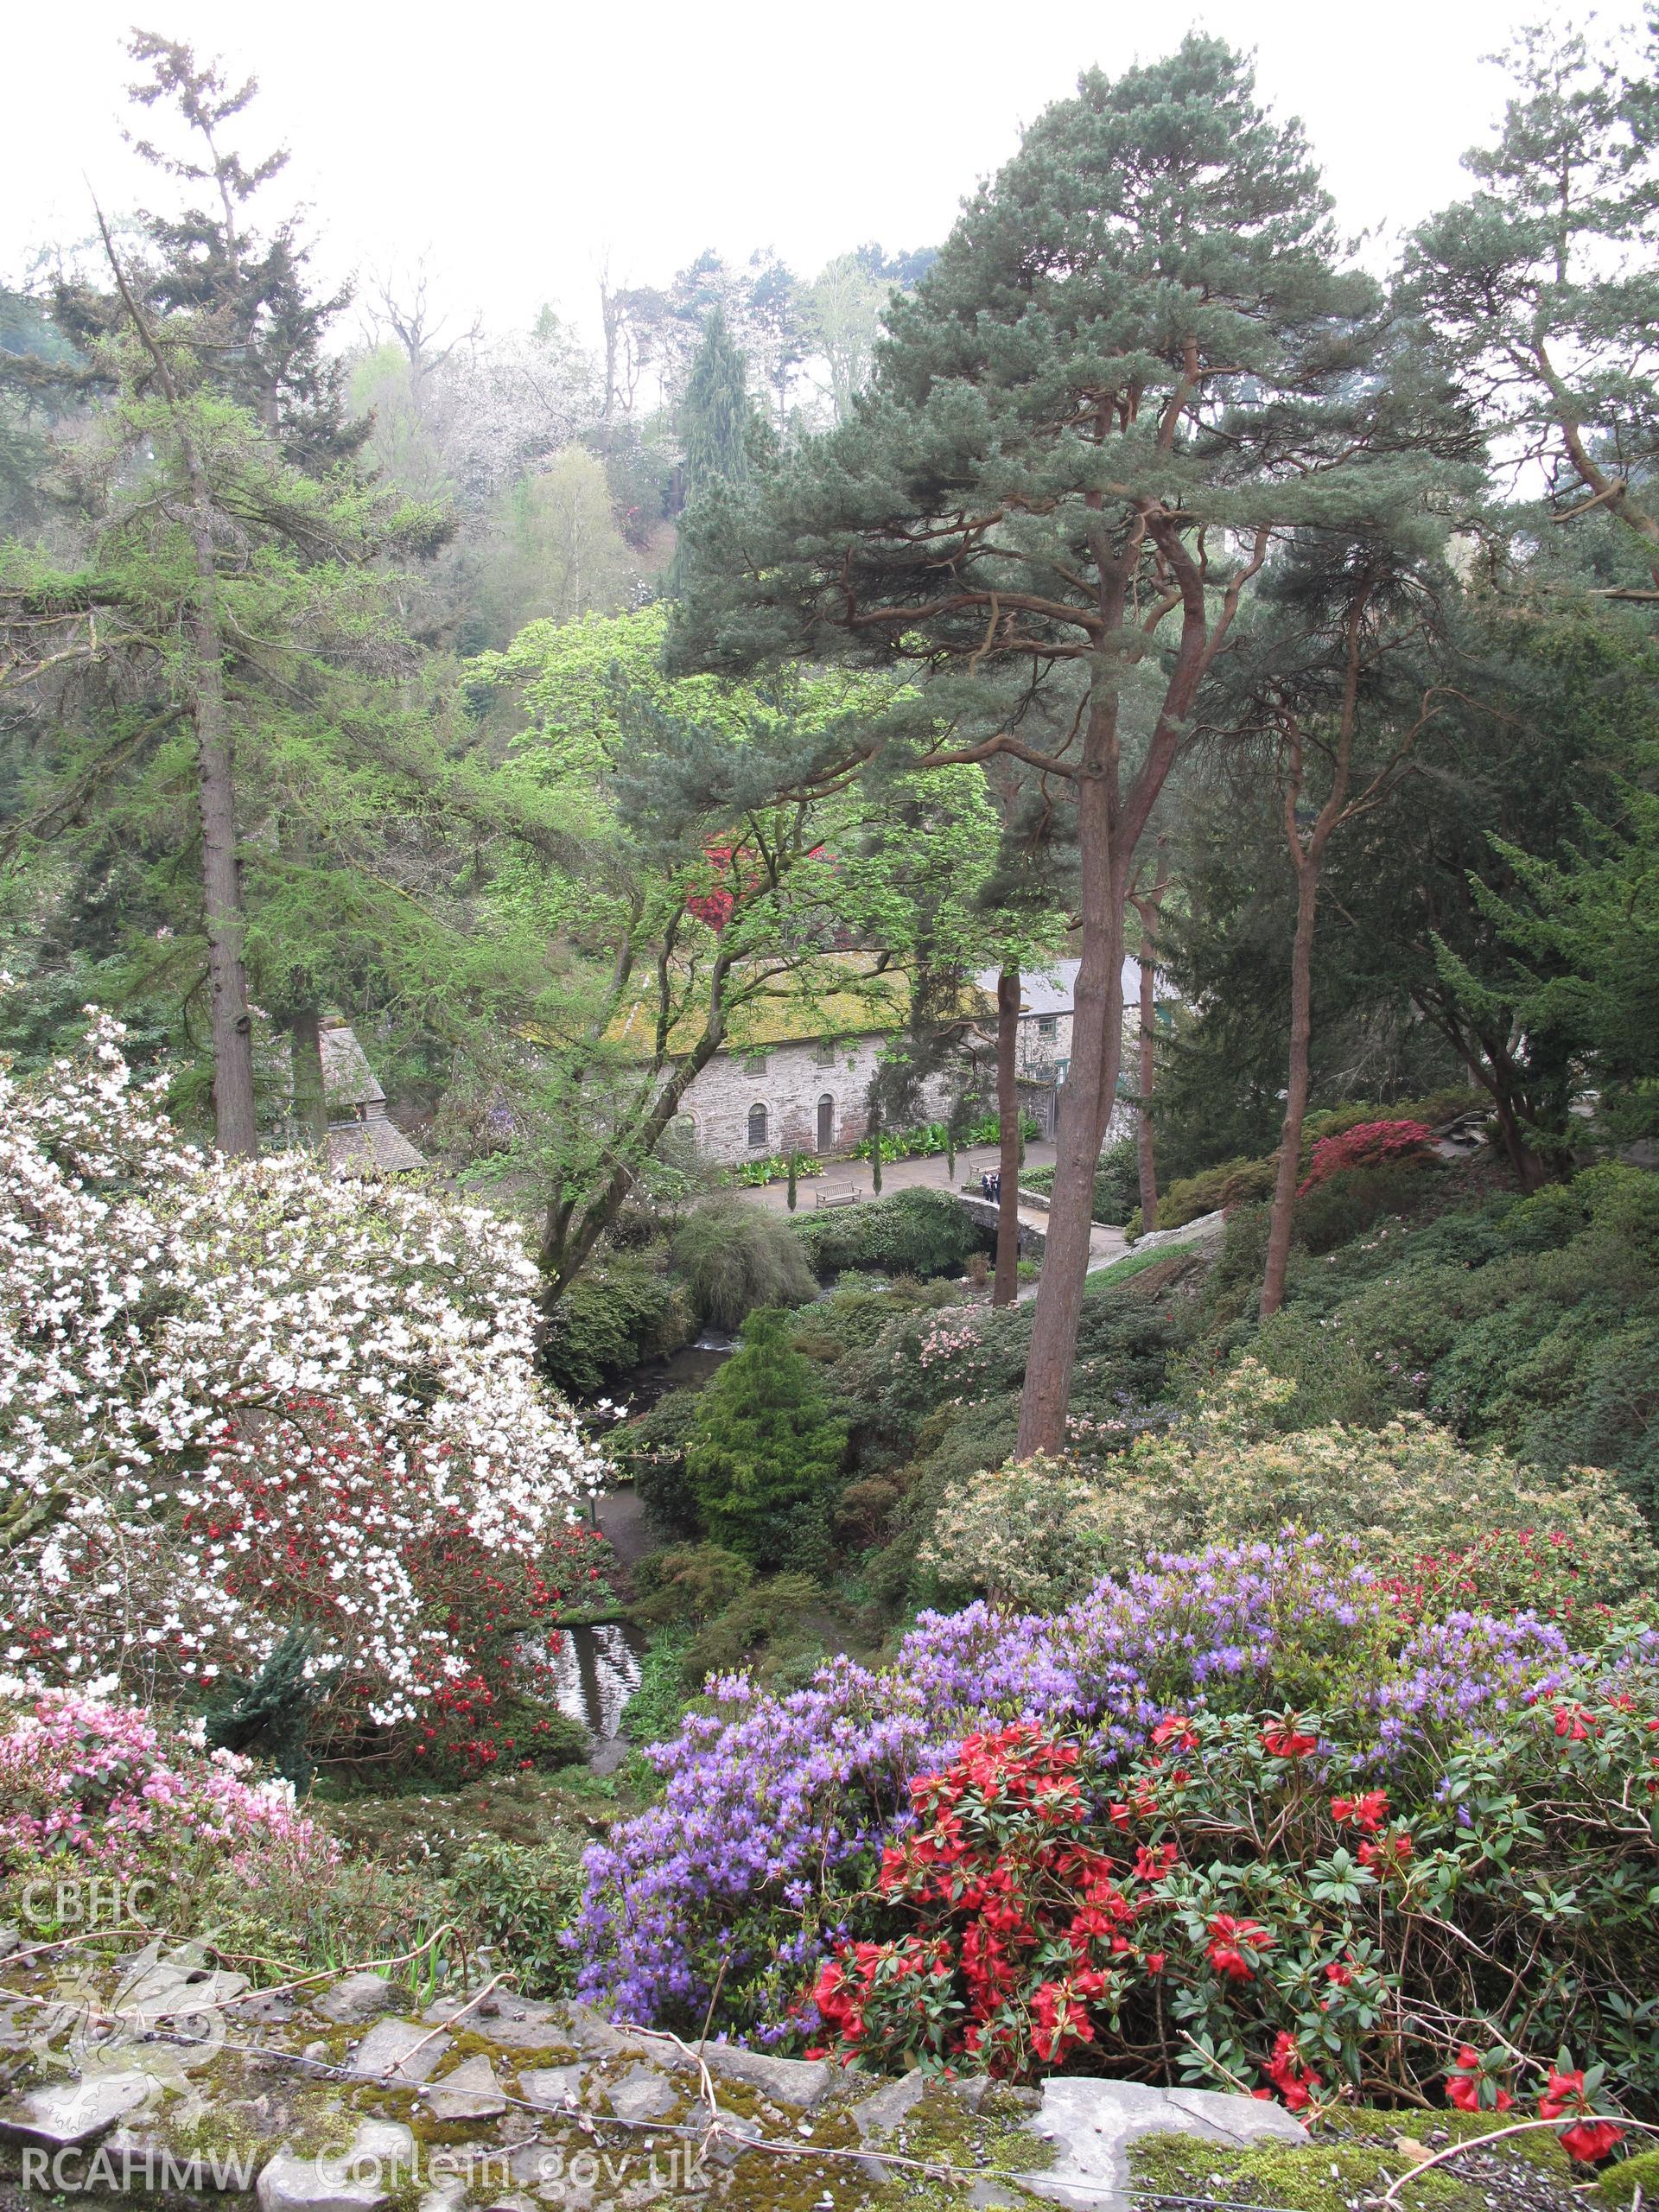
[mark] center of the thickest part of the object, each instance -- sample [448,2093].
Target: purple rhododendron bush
[1244,1819]
[245,1407]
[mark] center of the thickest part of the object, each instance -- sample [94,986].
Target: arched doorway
[757,1128]
[826,1123]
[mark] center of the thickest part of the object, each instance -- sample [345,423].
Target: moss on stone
[1538,2146]
[1618,2184]
[1351,2158]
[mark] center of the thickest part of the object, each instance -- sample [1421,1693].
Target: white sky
[516,147]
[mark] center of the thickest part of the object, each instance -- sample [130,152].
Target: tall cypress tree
[1134,366]
[715,420]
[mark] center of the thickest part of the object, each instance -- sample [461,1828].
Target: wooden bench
[836,1197]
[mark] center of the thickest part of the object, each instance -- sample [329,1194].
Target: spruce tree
[1134,367]
[715,422]
[764,1443]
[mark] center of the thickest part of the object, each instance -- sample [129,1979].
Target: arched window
[757,1128]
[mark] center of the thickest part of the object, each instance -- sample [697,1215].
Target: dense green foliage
[733,1257]
[914,1232]
[764,1447]
[626,1310]
[1533,1324]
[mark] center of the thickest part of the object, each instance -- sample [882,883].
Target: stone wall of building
[746,1105]
[804,1093]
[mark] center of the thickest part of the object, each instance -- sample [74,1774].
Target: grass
[1123,1270]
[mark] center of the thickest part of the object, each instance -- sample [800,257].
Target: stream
[688,1369]
[597,1668]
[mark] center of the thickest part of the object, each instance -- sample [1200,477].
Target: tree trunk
[310,1105]
[570,1228]
[231,1024]
[1281,1220]
[1005,1285]
[1148,908]
[1096,1045]
[1530,1169]
[1143,1151]
[1110,824]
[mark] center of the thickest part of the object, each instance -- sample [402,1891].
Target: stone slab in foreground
[1092,2124]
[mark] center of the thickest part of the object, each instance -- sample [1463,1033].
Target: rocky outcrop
[340,2099]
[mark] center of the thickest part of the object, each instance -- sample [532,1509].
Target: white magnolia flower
[243,1394]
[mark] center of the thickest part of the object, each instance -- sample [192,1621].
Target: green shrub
[623,1310]
[1192,1197]
[765,1449]
[735,1257]
[1429,1515]
[1031,1535]
[1336,1371]
[1335,1212]
[921,1233]
[692,1584]
[650,1452]
[657,1706]
[520,1898]
[1529,1321]
[1117,1183]
[755,1175]
[773,1616]
[1433,1109]
[1233,1181]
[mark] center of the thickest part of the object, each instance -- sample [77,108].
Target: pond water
[598,1671]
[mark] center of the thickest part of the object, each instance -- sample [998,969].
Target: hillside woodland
[1231,1665]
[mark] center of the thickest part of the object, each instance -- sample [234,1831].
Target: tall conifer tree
[716,419]
[1135,363]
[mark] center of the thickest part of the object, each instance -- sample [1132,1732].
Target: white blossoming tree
[239,1399]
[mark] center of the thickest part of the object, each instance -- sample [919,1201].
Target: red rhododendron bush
[1368,1144]
[1243,1905]
[238,1399]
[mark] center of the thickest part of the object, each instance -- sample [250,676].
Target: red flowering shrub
[1570,2094]
[1223,1910]
[1372,1144]
[1473,2084]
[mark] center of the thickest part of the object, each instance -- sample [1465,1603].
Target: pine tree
[1542,286]
[1135,365]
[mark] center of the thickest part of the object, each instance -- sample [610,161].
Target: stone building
[797,1078]
[799,1081]
[1044,1054]
[362,1140]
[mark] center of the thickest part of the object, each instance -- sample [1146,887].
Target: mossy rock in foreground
[1353,2157]
[1617,2185]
